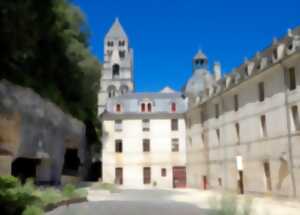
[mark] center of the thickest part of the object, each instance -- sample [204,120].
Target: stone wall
[33,127]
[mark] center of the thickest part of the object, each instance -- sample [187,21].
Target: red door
[179,177]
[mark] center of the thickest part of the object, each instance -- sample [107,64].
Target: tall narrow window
[118,125]
[217,111]
[146,145]
[202,115]
[116,70]
[147,175]
[119,146]
[295,116]
[163,172]
[237,130]
[236,102]
[263,125]
[149,105]
[118,108]
[292,78]
[174,124]
[173,107]
[261,91]
[146,125]
[175,145]
[218,135]
[143,107]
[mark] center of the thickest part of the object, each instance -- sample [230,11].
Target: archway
[24,168]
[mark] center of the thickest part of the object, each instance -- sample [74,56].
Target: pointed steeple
[116,31]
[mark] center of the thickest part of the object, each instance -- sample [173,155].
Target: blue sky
[166,34]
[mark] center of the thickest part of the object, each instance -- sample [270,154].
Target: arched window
[118,108]
[143,107]
[122,43]
[110,43]
[173,107]
[116,70]
[122,54]
[112,91]
[149,106]
[124,89]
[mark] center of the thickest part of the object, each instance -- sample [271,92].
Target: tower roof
[200,55]
[116,31]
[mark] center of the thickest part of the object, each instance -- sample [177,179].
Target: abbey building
[238,132]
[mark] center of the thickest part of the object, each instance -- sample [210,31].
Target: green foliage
[69,191]
[50,196]
[44,45]
[33,210]
[104,186]
[229,205]
[14,197]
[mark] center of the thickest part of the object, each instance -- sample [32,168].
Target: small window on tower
[122,43]
[118,108]
[110,43]
[116,70]
[122,54]
[143,107]
[149,105]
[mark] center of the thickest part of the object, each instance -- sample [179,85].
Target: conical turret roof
[116,31]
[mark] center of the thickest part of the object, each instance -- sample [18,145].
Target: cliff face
[34,128]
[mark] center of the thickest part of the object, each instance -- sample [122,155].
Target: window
[261,91]
[275,54]
[110,43]
[175,145]
[146,125]
[218,135]
[116,70]
[263,126]
[124,89]
[147,175]
[237,130]
[149,105]
[173,107]
[236,102]
[202,116]
[111,91]
[146,145]
[163,172]
[292,79]
[118,125]
[143,107]
[203,138]
[118,107]
[220,181]
[122,54]
[295,116]
[119,146]
[121,43]
[217,111]
[174,125]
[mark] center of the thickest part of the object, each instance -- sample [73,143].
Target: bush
[69,191]
[104,186]
[50,196]
[33,210]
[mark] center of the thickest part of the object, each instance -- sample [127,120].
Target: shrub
[69,191]
[33,210]
[50,196]
[104,186]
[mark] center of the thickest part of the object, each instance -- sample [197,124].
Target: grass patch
[104,186]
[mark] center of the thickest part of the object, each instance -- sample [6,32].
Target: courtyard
[169,202]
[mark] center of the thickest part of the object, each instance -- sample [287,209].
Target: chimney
[217,71]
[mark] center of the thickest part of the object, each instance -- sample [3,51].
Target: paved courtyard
[167,202]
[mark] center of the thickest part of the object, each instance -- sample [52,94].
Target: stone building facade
[243,128]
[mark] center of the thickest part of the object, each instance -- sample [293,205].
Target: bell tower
[117,70]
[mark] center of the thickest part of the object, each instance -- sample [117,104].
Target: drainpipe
[290,146]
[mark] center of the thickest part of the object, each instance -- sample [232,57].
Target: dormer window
[118,108]
[149,105]
[173,107]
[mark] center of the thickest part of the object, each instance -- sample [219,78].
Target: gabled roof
[116,31]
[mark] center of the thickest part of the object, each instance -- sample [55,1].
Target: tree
[44,45]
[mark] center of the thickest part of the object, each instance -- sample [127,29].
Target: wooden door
[179,177]
[119,176]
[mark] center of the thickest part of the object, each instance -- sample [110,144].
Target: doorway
[204,181]
[24,168]
[119,176]
[179,177]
